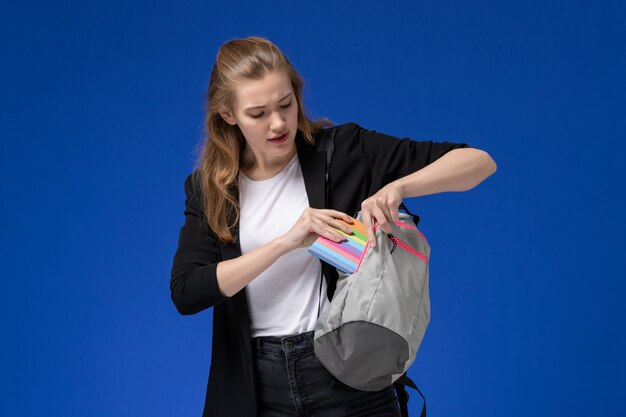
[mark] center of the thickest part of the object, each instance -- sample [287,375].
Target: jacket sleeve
[391,157]
[193,282]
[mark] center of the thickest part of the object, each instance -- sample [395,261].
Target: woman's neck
[259,169]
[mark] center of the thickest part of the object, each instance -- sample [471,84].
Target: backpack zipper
[398,242]
[393,240]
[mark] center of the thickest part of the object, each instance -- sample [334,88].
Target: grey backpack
[369,334]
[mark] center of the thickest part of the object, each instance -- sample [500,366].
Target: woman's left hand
[381,208]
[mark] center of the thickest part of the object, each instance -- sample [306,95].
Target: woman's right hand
[316,222]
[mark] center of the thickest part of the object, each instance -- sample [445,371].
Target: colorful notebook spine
[343,255]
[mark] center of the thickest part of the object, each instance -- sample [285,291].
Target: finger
[337,237]
[381,219]
[390,213]
[389,205]
[342,226]
[367,221]
[391,209]
[337,214]
[328,232]
[395,213]
[337,223]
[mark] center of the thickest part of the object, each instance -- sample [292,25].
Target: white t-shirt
[283,299]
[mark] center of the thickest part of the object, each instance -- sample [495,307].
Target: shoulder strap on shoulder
[325,142]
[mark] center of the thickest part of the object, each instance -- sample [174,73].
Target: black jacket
[363,162]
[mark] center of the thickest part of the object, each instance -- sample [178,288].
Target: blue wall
[102,106]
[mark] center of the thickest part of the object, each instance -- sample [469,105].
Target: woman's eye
[256,116]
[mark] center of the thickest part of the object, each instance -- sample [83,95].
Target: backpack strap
[325,142]
[416,218]
[403,396]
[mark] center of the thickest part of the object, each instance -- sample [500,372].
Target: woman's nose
[277,122]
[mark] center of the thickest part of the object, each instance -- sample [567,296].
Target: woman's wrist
[400,186]
[282,244]
[408,186]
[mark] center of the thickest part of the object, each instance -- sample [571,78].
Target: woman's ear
[228,117]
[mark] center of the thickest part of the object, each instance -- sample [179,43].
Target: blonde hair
[238,61]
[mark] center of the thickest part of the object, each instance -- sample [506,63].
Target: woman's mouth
[280,139]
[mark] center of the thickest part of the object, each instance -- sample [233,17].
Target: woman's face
[264,110]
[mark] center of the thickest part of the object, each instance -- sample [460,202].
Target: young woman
[254,204]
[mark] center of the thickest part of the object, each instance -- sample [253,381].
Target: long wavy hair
[238,61]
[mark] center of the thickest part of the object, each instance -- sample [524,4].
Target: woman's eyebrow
[260,107]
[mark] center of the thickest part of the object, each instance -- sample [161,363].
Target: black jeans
[291,381]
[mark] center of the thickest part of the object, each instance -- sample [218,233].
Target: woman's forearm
[234,274]
[457,170]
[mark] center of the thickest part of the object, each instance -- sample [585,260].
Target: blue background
[101,119]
